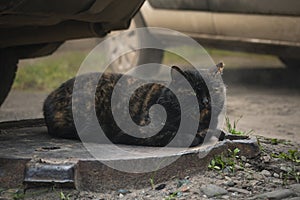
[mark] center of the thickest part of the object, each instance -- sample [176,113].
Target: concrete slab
[28,155]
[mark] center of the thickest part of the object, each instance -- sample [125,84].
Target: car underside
[35,28]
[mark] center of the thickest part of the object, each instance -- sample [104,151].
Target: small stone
[226,170]
[266,173]
[160,187]
[295,188]
[257,176]
[276,175]
[238,167]
[238,190]
[277,181]
[179,194]
[211,190]
[285,169]
[182,182]
[184,188]
[225,197]
[122,191]
[266,158]
[230,183]
[121,195]
[276,195]
[247,165]
[243,158]
[249,177]
[254,182]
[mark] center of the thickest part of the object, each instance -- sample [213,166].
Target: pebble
[285,169]
[179,194]
[226,170]
[243,158]
[247,165]
[257,176]
[276,195]
[266,173]
[254,182]
[184,188]
[182,182]
[266,158]
[225,197]
[238,167]
[160,187]
[276,175]
[249,177]
[122,191]
[295,188]
[230,183]
[277,181]
[211,190]
[242,191]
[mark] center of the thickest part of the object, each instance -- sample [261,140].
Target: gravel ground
[263,177]
[273,113]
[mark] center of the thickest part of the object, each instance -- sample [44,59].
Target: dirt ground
[272,113]
[274,174]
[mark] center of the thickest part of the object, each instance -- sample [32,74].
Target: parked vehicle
[259,26]
[31,28]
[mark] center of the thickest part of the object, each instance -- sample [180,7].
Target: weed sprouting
[291,155]
[232,128]
[228,161]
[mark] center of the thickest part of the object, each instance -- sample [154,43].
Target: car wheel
[290,62]
[135,58]
[8,68]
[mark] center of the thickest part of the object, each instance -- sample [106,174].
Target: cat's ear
[176,73]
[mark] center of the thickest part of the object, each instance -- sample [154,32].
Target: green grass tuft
[232,128]
[49,72]
[228,161]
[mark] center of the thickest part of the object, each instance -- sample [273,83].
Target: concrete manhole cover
[30,155]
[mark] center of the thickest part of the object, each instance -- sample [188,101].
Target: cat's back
[57,107]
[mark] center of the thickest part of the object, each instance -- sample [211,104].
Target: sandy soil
[271,113]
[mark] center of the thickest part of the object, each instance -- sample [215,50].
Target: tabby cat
[59,118]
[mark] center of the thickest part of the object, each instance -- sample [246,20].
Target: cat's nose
[205,100]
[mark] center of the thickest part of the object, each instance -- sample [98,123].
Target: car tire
[8,68]
[290,62]
[136,58]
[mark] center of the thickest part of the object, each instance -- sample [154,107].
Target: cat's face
[200,90]
[210,91]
